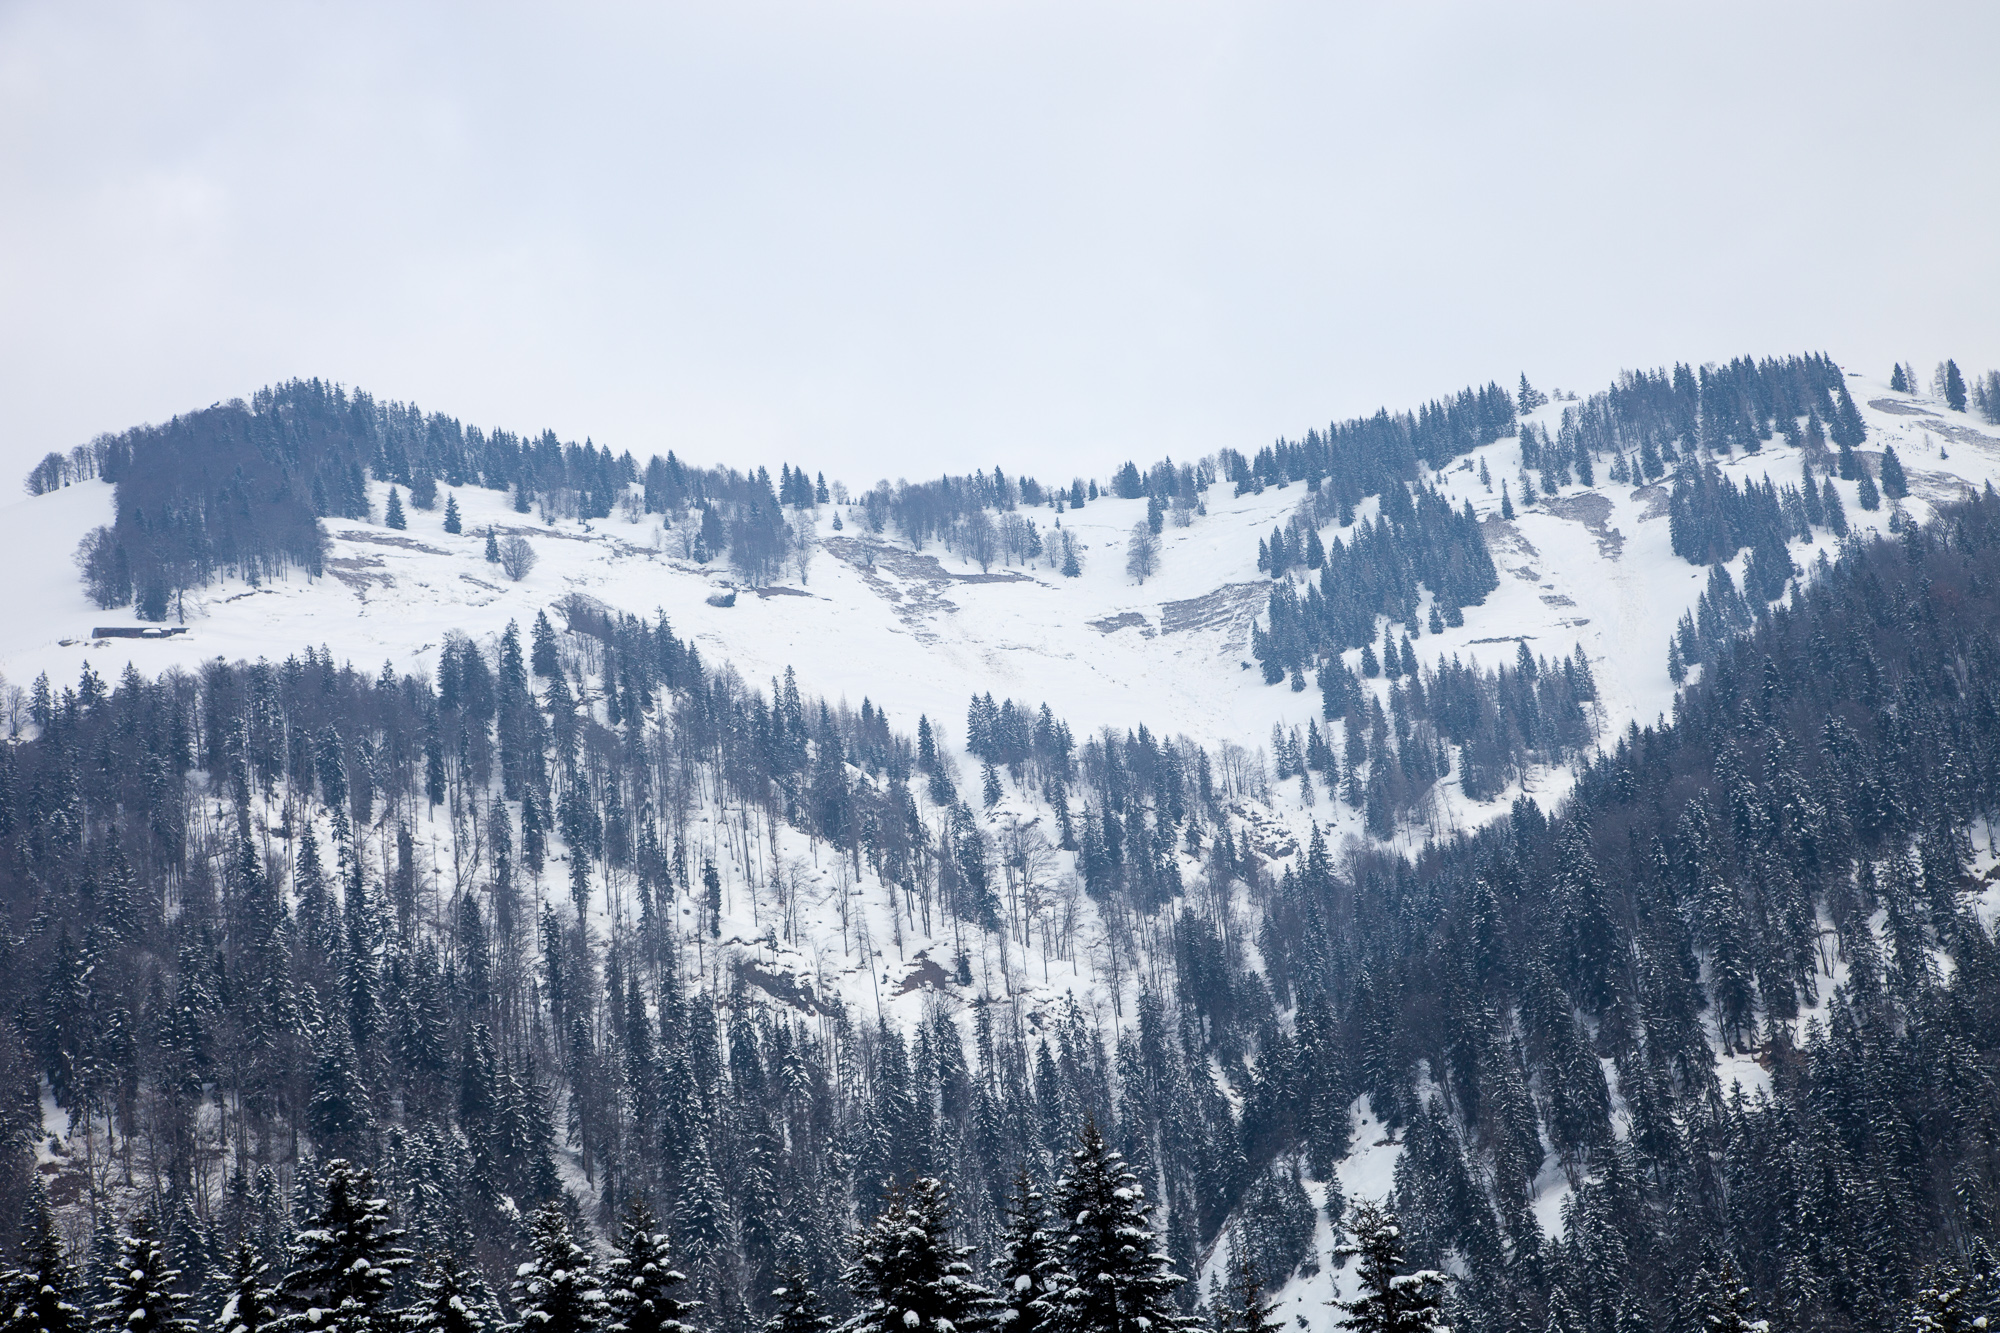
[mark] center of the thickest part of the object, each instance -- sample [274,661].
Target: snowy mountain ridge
[919,633]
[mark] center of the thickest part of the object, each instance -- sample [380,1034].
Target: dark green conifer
[345,1261]
[1113,1277]
[1386,1299]
[140,1288]
[558,1289]
[641,1279]
[909,1277]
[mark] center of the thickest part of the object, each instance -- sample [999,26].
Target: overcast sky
[885,240]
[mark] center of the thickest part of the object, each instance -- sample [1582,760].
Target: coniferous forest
[377,1000]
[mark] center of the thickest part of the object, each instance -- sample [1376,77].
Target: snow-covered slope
[919,632]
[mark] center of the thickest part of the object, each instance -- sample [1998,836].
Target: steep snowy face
[920,631]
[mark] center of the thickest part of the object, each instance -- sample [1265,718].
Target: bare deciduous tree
[516,557]
[1142,558]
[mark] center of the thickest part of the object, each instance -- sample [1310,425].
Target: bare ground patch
[912,584]
[390,539]
[1123,620]
[1897,408]
[1503,536]
[1594,512]
[360,572]
[1230,609]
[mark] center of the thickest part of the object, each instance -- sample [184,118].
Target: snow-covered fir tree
[640,1279]
[909,1275]
[559,1289]
[41,1293]
[140,1293]
[1387,1299]
[799,1307]
[344,1264]
[250,1303]
[1030,1262]
[449,1299]
[1114,1278]
[1244,1306]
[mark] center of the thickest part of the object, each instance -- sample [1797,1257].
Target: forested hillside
[575,979]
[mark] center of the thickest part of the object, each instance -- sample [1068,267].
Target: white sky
[895,239]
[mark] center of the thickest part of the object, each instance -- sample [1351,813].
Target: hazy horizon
[891,240]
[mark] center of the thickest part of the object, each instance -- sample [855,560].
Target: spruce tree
[1527,398]
[41,1295]
[1848,428]
[542,657]
[450,1300]
[1386,1299]
[908,1276]
[492,547]
[1836,512]
[1954,387]
[1894,484]
[249,1307]
[641,1280]
[1958,1298]
[1029,1263]
[800,1309]
[190,1249]
[345,1261]
[1114,1278]
[452,523]
[1244,1308]
[1728,1308]
[557,1290]
[140,1295]
[1870,499]
[393,516]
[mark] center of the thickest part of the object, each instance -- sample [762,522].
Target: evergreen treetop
[1244,1308]
[141,1295]
[542,656]
[558,1290]
[1114,1278]
[41,1295]
[1029,1262]
[800,1309]
[248,1308]
[450,1300]
[345,1261]
[909,1276]
[640,1278]
[1386,1299]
